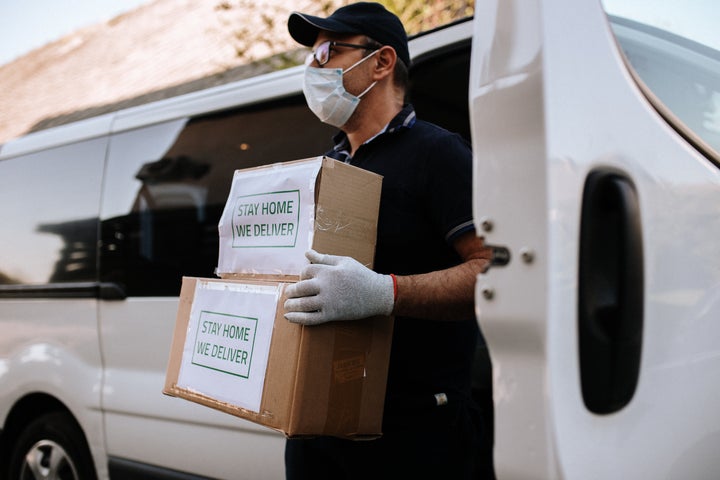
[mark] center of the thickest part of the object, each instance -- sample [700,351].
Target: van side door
[604,191]
[166,186]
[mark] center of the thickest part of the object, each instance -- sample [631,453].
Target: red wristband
[392,275]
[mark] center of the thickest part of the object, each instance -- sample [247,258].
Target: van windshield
[676,55]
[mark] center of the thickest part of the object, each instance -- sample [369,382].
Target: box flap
[347,209]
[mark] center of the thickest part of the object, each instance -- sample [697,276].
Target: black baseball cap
[362,18]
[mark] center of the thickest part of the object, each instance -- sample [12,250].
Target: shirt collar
[404,119]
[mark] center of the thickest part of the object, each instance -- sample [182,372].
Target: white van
[597,183]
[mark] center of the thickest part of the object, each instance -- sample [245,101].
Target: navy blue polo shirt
[426,202]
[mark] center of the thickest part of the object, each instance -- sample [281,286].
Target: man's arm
[340,288]
[445,294]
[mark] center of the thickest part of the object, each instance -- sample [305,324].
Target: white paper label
[266,220]
[267,224]
[228,341]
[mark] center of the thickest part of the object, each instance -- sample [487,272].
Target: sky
[29,24]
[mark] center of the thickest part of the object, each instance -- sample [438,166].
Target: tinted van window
[49,204]
[439,87]
[166,209]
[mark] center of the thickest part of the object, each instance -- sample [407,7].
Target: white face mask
[326,96]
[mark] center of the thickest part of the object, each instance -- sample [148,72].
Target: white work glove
[337,288]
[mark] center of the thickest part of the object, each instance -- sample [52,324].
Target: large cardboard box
[322,380]
[232,348]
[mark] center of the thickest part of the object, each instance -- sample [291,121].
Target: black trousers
[442,443]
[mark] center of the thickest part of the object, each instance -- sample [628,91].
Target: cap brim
[304,28]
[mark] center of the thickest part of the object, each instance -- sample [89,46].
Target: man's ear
[385,64]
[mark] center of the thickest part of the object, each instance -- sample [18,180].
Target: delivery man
[426,262]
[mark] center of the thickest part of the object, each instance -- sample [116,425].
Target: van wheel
[53,447]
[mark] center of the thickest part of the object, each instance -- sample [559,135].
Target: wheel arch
[26,409]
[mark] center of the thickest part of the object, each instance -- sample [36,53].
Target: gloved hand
[337,288]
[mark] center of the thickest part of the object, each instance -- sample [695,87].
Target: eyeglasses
[322,53]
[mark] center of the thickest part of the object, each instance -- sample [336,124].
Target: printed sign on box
[267,224]
[266,220]
[224,342]
[228,340]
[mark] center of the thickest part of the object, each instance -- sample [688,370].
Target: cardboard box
[275,213]
[323,380]
[233,350]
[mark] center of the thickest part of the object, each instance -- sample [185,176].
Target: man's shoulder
[429,133]
[429,128]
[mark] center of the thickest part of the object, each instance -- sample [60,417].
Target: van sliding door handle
[111,291]
[610,291]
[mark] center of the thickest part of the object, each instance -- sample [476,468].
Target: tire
[51,446]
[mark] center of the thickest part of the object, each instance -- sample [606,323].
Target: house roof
[161,49]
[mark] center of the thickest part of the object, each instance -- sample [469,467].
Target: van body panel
[136,349]
[244,92]
[54,351]
[450,35]
[679,193]
[506,103]
[56,136]
[587,114]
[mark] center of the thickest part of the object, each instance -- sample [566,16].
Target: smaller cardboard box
[234,351]
[275,213]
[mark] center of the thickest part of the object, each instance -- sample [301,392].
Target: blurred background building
[165,48]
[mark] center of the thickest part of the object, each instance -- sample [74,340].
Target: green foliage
[259,28]
[423,15]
